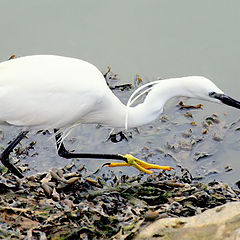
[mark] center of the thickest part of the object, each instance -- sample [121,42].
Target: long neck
[147,111]
[152,107]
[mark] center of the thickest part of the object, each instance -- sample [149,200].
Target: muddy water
[150,38]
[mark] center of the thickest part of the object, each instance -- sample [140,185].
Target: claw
[139,164]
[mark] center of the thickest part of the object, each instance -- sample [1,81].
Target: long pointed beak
[229,101]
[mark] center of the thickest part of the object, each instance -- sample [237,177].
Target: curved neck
[152,107]
[145,112]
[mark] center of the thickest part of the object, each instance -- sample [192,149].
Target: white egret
[54,92]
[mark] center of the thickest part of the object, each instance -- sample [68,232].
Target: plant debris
[109,76]
[62,204]
[184,106]
[200,155]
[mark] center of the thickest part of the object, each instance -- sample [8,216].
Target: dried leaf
[184,106]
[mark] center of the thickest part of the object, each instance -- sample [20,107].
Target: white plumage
[46,91]
[53,92]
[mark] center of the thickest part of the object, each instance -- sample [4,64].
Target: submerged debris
[109,76]
[117,137]
[184,106]
[64,204]
[200,155]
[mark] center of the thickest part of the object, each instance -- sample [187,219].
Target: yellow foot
[139,164]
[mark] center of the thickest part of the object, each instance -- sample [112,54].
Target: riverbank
[62,204]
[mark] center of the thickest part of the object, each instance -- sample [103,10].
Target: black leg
[4,156]
[62,152]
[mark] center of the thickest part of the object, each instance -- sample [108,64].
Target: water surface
[150,38]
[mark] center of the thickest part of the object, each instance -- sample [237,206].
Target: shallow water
[151,38]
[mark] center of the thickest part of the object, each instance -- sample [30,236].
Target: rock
[220,223]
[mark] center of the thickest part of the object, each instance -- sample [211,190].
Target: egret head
[203,88]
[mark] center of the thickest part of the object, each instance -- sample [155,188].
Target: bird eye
[212,94]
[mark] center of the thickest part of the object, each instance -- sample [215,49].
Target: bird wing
[48,91]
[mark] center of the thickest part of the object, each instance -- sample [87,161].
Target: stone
[219,223]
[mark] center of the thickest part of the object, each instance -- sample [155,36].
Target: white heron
[54,92]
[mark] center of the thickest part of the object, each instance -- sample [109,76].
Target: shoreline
[63,204]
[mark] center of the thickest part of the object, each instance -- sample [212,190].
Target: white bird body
[51,92]
[47,91]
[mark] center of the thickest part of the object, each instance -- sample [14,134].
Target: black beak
[228,100]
